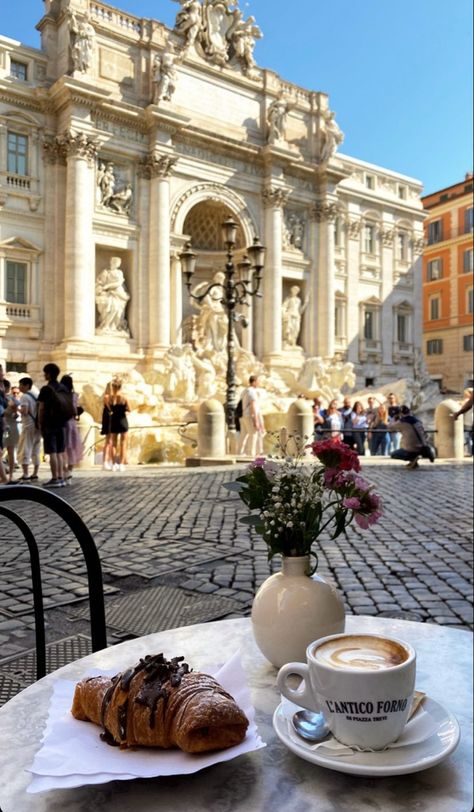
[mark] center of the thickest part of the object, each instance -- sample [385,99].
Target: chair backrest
[28,493]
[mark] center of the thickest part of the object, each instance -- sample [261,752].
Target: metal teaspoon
[310,725]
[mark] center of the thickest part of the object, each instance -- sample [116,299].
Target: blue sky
[399,74]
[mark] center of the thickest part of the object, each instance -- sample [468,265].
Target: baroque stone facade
[120,140]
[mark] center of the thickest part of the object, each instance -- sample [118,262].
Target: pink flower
[334,454]
[258,462]
[365,520]
[351,502]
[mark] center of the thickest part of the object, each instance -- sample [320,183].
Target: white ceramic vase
[293,608]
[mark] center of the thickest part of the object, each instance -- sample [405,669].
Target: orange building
[448,297]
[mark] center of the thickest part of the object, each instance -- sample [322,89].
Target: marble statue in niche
[117,201]
[292,311]
[212,317]
[164,75]
[242,35]
[82,34]
[111,299]
[294,231]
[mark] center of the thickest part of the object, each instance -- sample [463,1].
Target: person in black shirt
[54,435]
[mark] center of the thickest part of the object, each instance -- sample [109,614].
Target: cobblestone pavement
[178,529]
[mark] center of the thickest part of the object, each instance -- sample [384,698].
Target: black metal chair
[28,493]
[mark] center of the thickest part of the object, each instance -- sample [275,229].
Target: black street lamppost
[233,293]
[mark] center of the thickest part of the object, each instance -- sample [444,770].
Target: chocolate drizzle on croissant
[161,703]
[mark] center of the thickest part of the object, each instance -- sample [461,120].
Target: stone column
[79,276]
[157,169]
[274,199]
[176,299]
[353,226]
[387,328]
[311,315]
[325,212]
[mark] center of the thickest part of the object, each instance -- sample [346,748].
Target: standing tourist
[380,438]
[359,425]
[333,421]
[52,421]
[466,407]
[116,406]
[74,446]
[3,405]
[11,435]
[30,438]
[393,416]
[346,416]
[252,427]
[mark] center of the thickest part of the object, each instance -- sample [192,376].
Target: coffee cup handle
[302,695]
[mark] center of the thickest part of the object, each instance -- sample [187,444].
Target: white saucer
[399,761]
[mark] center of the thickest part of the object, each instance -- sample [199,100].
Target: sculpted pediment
[20,244]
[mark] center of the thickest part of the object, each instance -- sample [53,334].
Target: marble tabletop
[272,778]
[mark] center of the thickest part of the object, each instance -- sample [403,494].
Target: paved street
[173,552]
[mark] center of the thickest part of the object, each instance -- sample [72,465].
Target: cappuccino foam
[361,652]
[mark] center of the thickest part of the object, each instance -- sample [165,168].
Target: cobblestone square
[180,528]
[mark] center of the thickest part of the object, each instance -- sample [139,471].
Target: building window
[468,261]
[17,366]
[434,346]
[402,328]
[434,270]
[17,153]
[468,343]
[469,220]
[435,232]
[370,382]
[338,232]
[369,239]
[435,310]
[15,288]
[402,192]
[369,325]
[470,300]
[370,182]
[18,70]
[402,247]
[339,320]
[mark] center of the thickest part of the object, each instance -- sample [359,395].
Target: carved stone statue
[82,42]
[111,299]
[292,311]
[294,232]
[121,201]
[242,35]
[106,183]
[164,75]
[181,376]
[276,120]
[189,20]
[212,318]
[330,137]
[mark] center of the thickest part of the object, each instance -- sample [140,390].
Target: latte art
[361,653]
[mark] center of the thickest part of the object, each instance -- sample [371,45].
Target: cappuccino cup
[363,684]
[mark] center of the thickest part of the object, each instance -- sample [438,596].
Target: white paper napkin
[72,753]
[419,728]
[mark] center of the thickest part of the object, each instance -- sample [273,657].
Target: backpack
[239,408]
[62,405]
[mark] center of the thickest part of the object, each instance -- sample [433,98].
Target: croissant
[161,703]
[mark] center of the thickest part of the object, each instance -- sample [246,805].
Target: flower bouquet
[294,500]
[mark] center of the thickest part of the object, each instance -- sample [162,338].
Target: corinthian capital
[324,211]
[275,197]
[53,152]
[154,166]
[79,145]
[418,245]
[388,236]
[354,227]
